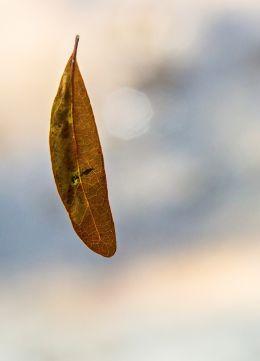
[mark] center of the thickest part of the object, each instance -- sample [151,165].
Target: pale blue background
[185,194]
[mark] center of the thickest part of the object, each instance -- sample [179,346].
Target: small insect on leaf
[78,164]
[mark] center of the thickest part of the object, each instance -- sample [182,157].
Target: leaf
[77,162]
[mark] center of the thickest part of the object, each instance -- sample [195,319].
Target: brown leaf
[78,164]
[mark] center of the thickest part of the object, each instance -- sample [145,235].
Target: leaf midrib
[73,63]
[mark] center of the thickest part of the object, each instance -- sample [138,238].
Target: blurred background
[175,89]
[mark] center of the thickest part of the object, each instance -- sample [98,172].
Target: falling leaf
[77,162]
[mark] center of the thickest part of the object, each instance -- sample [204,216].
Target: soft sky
[175,89]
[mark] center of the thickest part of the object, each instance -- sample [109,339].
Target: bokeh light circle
[127,113]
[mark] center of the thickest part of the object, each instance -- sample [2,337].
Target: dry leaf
[78,164]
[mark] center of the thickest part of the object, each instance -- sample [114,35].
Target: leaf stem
[74,54]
